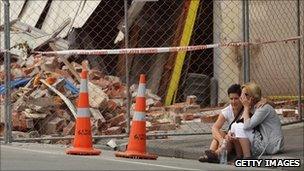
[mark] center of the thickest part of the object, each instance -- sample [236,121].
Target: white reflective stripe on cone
[139,116]
[83,86]
[141,90]
[83,112]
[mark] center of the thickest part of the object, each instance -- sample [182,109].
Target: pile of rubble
[45,94]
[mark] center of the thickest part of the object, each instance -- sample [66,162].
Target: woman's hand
[246,100]
[261,103]
[230,136]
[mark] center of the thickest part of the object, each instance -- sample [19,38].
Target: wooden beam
[180,58]
[168,67]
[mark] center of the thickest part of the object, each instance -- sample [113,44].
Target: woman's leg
[229,148]
[238,148]
[242,143]
[245,144]
[214,146]
[210,155]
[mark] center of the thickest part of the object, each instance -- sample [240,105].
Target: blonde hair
[254,90]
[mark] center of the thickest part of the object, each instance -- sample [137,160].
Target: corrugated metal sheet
[15,9]
[32,11]
[84,14]
[21,27]
[60,11]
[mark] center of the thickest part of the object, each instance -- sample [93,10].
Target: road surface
[30,156]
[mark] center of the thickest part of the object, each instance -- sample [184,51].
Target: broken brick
[113,130]
[29,122]
[51,64]
[95,75]
[188,116]
[209,118]
[191,108]
[63,114]
[177,119]
[190,100]
[158,104]
[51,80]
[97,115]
[176,108]
[97,97]
[108,115]
[69,129]
[116,120]
[101,126]
[117,91]
[289,113]
[19,121]
[123,124]
[103,83]
[1,129]
[112,105]
[54,126]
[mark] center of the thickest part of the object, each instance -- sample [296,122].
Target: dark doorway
[199,62]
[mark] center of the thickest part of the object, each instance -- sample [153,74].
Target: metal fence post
[126,30]
[299,61]
[246,61]
[7,80]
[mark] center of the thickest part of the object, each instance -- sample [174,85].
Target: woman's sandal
[212,156]
[203,158]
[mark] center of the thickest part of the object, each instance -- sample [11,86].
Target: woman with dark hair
[260,133]
[228,114]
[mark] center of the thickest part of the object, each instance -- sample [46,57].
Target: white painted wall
[273,66]
[227,27]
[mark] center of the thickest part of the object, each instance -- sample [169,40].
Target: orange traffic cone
[83,134]
[137,139]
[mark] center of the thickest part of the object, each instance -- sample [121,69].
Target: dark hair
[235,88]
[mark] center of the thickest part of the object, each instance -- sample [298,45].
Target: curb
[187,147]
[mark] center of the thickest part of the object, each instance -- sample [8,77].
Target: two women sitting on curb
[254,126]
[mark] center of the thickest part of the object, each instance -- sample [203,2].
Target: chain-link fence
[42,112]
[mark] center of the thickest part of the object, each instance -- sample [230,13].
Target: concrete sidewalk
[191,147]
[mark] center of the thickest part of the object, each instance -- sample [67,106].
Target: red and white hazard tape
[159,49]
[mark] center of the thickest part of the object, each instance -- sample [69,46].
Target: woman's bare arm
[216,128]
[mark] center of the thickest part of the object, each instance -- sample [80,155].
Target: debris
[289,113]
[68,130]
[66,100]
[113,130]
[44,102]
[112,144]
[1,129]
[116,120]
[20,82]
[97,115]
[209,118]
[190,100]
[54,126]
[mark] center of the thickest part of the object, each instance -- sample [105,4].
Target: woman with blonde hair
[262,132]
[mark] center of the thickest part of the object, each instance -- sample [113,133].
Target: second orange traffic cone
[137,139]
[83,134]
